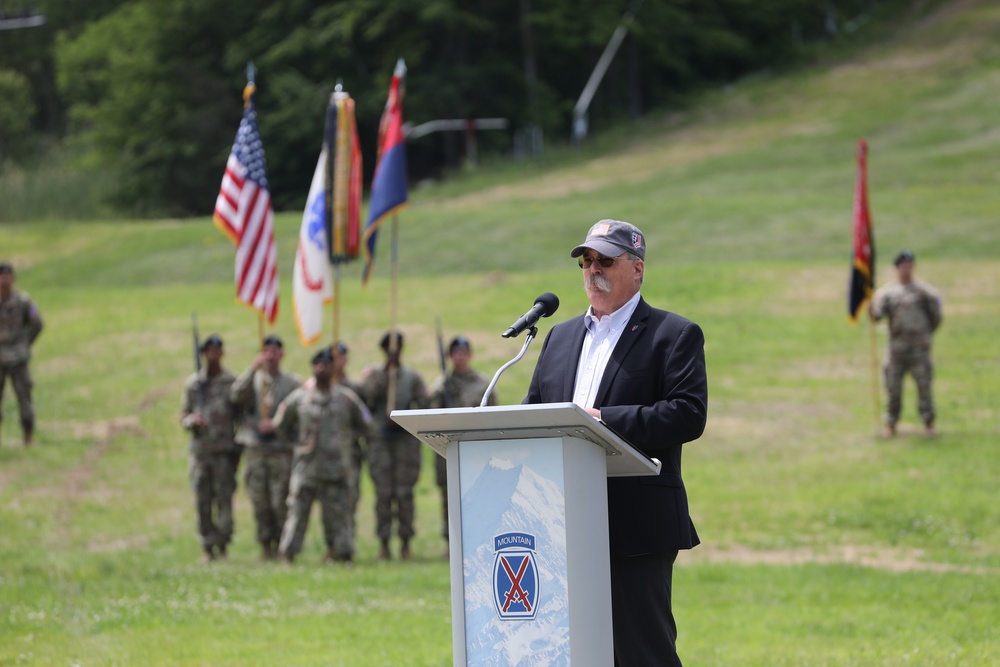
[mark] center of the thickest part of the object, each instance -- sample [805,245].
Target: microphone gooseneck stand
[532,332]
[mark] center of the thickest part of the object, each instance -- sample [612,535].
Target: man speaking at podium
[641,371]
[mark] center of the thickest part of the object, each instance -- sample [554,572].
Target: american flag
[243,213]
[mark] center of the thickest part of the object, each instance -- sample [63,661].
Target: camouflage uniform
[214,455]
[914,312]
[393,454]
[325,426]
[357,455]
[268,457]
[20,324]
[464,390]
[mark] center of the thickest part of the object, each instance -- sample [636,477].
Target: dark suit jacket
[654,393]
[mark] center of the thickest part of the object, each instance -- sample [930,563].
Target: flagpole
[862,284]
[330,194]
[336,305]
[393,285]
[876,400]
[388,196]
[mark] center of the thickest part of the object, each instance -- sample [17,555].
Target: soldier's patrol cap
[459,341]
[904,256]
[384,343]
[272,340]
[326,354]
[611,238]
[6,267]
[214,339]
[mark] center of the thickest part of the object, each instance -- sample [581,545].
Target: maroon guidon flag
[863,260]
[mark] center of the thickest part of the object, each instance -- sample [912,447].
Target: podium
[528,525]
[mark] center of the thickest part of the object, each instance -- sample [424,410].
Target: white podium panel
[514,552]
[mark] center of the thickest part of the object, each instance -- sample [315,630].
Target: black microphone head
[550,301]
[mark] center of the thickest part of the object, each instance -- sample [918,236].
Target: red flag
[243,213]
[863,261]
[389,183]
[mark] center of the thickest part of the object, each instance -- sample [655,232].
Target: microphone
[544,306]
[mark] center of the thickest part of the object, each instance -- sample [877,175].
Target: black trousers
[642,618]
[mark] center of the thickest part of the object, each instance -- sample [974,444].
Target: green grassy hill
[823,545]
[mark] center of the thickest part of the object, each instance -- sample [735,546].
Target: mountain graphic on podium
[512,498]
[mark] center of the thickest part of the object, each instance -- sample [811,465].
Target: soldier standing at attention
[463,387]
[208,413]
[357,448]
[324,419]
[258,392]
[20,324]
[914,311]
[393,454]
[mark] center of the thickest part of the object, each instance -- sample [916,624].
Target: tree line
[153,88]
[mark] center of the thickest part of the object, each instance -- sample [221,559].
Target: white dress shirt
[598,343]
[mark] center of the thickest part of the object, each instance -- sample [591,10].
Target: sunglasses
[606,262]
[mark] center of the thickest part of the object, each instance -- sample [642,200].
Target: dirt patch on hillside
[78,479]
[105,431]
[120,544]
[885,558]
[5,477]
[638,162]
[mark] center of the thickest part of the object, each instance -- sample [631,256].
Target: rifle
[200,393]
[444,365]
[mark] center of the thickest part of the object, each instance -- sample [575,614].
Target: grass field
[823,545]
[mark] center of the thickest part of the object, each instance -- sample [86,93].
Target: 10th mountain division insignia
[515,576]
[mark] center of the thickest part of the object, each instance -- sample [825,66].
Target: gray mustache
[600,283]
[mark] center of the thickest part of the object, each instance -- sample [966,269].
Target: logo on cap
[636,240]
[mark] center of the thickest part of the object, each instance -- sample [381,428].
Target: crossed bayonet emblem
[516,592]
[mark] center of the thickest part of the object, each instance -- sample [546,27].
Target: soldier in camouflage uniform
[209,414]
[324,419]
[463,387]
[393,454]
[914,311]
[20,324]
[258,392]
[357,447]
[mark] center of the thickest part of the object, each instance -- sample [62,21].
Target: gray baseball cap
[611,238]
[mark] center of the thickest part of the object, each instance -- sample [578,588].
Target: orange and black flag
[863,260]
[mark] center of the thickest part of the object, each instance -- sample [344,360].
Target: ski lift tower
[600,69]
